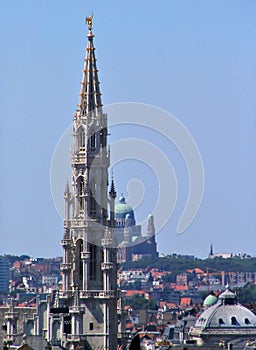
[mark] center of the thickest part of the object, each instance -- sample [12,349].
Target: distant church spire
[211,250]
[90,96]
[112,191]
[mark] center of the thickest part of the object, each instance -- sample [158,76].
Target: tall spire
[90,96]
[89,261]
[112,191]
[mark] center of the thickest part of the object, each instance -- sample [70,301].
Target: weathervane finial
[89,21]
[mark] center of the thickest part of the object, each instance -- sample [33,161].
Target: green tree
[138,302]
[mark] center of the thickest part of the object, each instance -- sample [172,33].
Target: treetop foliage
[177,264]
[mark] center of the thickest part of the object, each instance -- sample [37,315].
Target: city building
[213,255]
[4,275]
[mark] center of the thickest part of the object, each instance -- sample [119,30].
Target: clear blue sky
[195,59]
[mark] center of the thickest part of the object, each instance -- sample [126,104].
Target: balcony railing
[76,309]
[99,294]
[85,255]
[74,337]
[65,242]
[65,293]
[107,242]
[107,266]
[65,266]
[87,294]
[11,315]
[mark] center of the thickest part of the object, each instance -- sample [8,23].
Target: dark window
[103,137]
[221,321]
[93,206]
[67,324]
[81,194]
[93,142]
[80,249]
[93,202]
[82,140]
[247,321]
[93,261]
[229,301]
[91,326]
[234,321]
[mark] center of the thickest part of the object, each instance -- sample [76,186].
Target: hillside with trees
[177,264]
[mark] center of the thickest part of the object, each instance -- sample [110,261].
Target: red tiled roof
[185,301]
[196,270]
[129,325]
[157,274]
[179,288]
[162,303]
[16,264]
[22,305]
[130,293]
[169,305]
[127,307]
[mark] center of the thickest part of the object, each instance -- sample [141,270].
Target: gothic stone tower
[89,258]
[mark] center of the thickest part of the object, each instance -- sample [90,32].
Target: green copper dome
[210,300]
[124,210]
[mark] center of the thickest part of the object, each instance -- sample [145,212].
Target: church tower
[89,266]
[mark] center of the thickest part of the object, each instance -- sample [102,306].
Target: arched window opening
[80,261]
[93,202]
[81,194]
[247,321]
[229,301]
[221,321]
[81,140]
[103,137]
[93,142]
[93,187]
[93,207]
[234,321]
[102,259]
[93,261]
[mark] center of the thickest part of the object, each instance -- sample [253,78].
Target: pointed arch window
[102,260]
[93,203]
[247,321]
[81,139]
[234,321]
[80,261]
[93,261]
[81,194]
[103,137]
[221,322]
[93,142]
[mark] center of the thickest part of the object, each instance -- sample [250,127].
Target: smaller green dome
[121,199]
[210,300]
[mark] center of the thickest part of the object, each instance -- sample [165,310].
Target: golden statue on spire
[89,22]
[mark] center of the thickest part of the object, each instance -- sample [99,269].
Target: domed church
[224,321]
[132,245]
